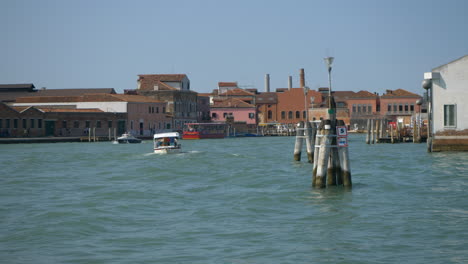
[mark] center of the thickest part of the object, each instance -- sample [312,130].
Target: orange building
[293,104]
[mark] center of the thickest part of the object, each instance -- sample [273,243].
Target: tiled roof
[11,96]
[163,77]
[73,92]
[148,81]
[17,86]
[165,86]
[363,94]
[237,92]
[399,93]
[48,99]
[232,103]
[69,110]
[99,97]
[20,108]
[227,84]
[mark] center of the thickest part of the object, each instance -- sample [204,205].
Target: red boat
[204,130]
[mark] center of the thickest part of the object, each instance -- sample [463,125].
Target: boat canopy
[167,135]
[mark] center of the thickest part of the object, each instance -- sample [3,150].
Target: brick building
[292,104]
[40,121]
[174,89]
[142,116]
[399,105]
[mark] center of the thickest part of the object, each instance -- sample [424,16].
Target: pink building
[236,108]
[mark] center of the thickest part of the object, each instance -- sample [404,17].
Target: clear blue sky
[377,45]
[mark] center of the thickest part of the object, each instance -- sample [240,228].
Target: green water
[235,200]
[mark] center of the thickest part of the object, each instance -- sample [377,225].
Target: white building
[449,93]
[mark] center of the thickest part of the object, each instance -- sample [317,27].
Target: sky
[377,44]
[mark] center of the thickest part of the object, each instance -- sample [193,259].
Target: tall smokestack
[289,82]
[301,78]
[267,83]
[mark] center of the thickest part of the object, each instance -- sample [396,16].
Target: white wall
[451,88]
[119,107]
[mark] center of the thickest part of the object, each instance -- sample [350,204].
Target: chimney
[267,83]
[301,78]
[289,82]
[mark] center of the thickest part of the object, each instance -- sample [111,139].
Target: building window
[411,107]
[251,115]
[224,115]
[400,108]
[298,114]
[109,123]
[164,109]
[76,124]
[1,123]
[369,109]
[98,124]
[449,115]
[15,123]
[283,115]
[389,108]
[7,123]
[394,107]
[270,114]
[24,123]
[290,114]
[39,123]
[406,107]
[214,115]
[359,108]
[64,124]
[354,108]
[157,110]
[364,109]
[303,114]
[87,124]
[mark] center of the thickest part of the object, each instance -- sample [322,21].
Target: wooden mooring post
[309,134]
[299,141]
[304,132]
[368,132]
[331,159]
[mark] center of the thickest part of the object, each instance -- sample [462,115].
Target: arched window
[270,114]
[298,114]
[283,115]
[303,114]
[290,115]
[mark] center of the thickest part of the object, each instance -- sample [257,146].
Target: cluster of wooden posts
[330,159]
[93,138]
[379,131]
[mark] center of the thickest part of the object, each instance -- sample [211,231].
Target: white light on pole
[306,91]
[329,62]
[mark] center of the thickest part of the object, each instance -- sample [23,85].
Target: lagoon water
[234,200]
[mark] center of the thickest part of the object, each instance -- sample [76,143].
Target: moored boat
[204,130]
[166,143]
[127,138]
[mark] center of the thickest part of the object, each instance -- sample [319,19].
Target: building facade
[448,95]
[174,89]
[143,115]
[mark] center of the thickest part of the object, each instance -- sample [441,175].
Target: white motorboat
[128,138]
[165,143]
